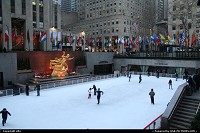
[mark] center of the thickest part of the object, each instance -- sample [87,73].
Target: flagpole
[46,41]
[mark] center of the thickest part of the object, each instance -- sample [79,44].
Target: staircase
[185,113]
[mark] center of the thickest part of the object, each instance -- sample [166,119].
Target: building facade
[68,5]
[109,23]
[23,22]
[184,17]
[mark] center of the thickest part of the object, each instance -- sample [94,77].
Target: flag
[162,37]
[43,37]
[193,38]
[6,34]
[34,37]
[169,38]
[28,36]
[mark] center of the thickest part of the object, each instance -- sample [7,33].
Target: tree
[182,12]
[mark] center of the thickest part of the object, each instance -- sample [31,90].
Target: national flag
[169,38]
[140,40]
[28,36]
[34,37]
[6,34]
[43,37]
[183,38]
[193,39]
[162,37]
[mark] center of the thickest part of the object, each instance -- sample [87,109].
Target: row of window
[12,6]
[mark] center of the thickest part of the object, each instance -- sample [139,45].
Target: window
[23,7]
[174,18]
[181,26]
[12,4]
[117,21]
[174,8]
[124,29]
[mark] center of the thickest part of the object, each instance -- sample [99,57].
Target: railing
[155,124]
[20,90]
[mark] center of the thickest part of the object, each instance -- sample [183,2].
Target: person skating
[176,74]
[38,89]
[140,78]
[89,93]
[27,89]
[95,89]
[129,77]
[99,92]
[152,94]
[4,115]
[170,84]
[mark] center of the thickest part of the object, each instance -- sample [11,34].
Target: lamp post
[83,36]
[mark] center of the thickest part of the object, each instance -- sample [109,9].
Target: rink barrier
[76,81]
[155,124]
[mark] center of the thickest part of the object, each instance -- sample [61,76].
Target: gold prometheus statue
[59,66]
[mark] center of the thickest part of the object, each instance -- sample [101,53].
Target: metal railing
[20,90]
[155,124]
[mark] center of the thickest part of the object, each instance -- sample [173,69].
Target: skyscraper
[68,5]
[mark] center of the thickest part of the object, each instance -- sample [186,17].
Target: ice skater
[140,78]
[95,89]
[170,84]
[129,77]
[176,75]
[99,92]
[90,93]
[27,89]
[37,87]
[4,115]
[152,94]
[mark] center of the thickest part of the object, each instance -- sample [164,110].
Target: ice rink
[124,105]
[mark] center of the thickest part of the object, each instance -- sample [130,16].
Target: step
[191,100]
[182,119]
[187,109]
[184,116]
[173,125]
[195,102]
[186,113]
[181,123]
[188,106]
[189,103]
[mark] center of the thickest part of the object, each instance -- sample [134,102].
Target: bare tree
[183,12]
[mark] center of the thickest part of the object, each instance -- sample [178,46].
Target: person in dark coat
[176,75]
[27,89]
[192,83]
[140,78]
[157,73]
[170,84]
[129,77]
[152,94]
[4,115]
[95,89]
[38,89]
[99,92]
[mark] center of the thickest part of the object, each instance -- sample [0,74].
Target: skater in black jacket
[140,78]
[4,115]
[27,89]
[37,87]
[95,89]
[99,92]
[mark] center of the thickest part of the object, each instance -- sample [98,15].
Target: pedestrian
[99,92]
[140,78]
[95,89]
[176,74]
[38,89]
[27,89]
[157,73]
[129,77]
[90,93]
[148,73]
[4,115]
[152,94]
[170,84]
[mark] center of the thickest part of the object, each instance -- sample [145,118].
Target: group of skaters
[37,87]
[96,92]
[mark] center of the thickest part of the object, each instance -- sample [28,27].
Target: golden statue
[59,66]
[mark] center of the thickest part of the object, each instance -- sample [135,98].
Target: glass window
[12,4]
[23,7]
